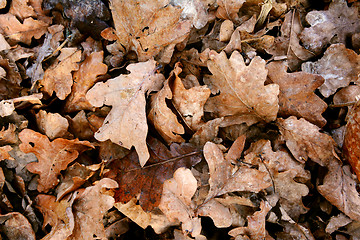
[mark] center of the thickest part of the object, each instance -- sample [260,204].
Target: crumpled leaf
[288,43]
[84,79]
[52,156]
[339,66]
[23,32]
[89,208]
[15,226]
[53,125]
[305,141]
[297,97]
[176,201]
[228,9]
[58,77]
[126,124]
[148,27]
[243,95]
[164,120]
[330,26]
[149,179]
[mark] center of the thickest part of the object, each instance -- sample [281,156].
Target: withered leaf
[339,66]
[58,77]
[10,226]
[8,136]
[228,9]
[4,152]
[53,125]
[297,97]
[84,79]
[126,123]
[149,179]
[330,26]
[243,95]
[147,27]
[52,156]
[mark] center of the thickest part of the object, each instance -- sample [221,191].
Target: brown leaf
[195,10]
[339,66]
[288,43]
[336,222]
[53,125]
[84,79]
[80,126]
[4,152]
[242,92]
[89,208]
[164,120]
[15,226]
[207,132]
[8,136]
[52,156]
[23,32]
[228,9]
[305,141]
[149,179]
[330,26]
[126,123]
[347,95]
[161,29]
[58,77]
[297,97]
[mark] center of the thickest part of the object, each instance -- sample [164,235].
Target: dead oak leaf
[58,77]
[242,94]
[53,125]
[149,179]
[297,97]
[228,9]
[4,152]
[126,124]
[53,157]
[84,79]
[14,225]
[147,27]
[23,32]
[334,25]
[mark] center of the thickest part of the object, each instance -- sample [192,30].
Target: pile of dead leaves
[190,119]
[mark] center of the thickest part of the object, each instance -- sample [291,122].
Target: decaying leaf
[195,10]
[7,107]
[15,226]
[149,179]
[53,125]
[297,97]
[228,9]
[58,77]
[52,156]
[126,123]
[339,66]
[334,25]
[4,152]
[84,79]
[243,95]
[147,27]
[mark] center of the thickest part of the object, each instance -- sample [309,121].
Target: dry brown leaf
[15,226]
[228,9]
[126,124]
[330,26]
[8,136]
[297,97]
[288,43]
[89,208]
[176,201]
[53,125]
[7,107]
[347,95]
[195,10]
[243,95]
[207,132]
[52,156]
[305,141]
[148,27]
[84,79]
[23,32]
[22,9]
[226,30]
[58,77]
[162,117]
[336,222]
[189,102]
[339,66]
[80,126]
[4,152]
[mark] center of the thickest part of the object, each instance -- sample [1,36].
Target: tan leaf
[297,97]
[8,136]
[195,10]
[207,132]
[347,95]
[15,226]
[84,79]
[189,102]
[23,32]
[176,200]
[219,213]
[288,43]
[226,30]
[4,152]
[164,120]
[336,222]
[228,9]
[147,27]
[7,107]
[80,126]
[242,92]
[58,77]
[330,26]
[126,123]
[52,156]
[89,208]
[22,9]
[53,125]
[339,66]
[305,141]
